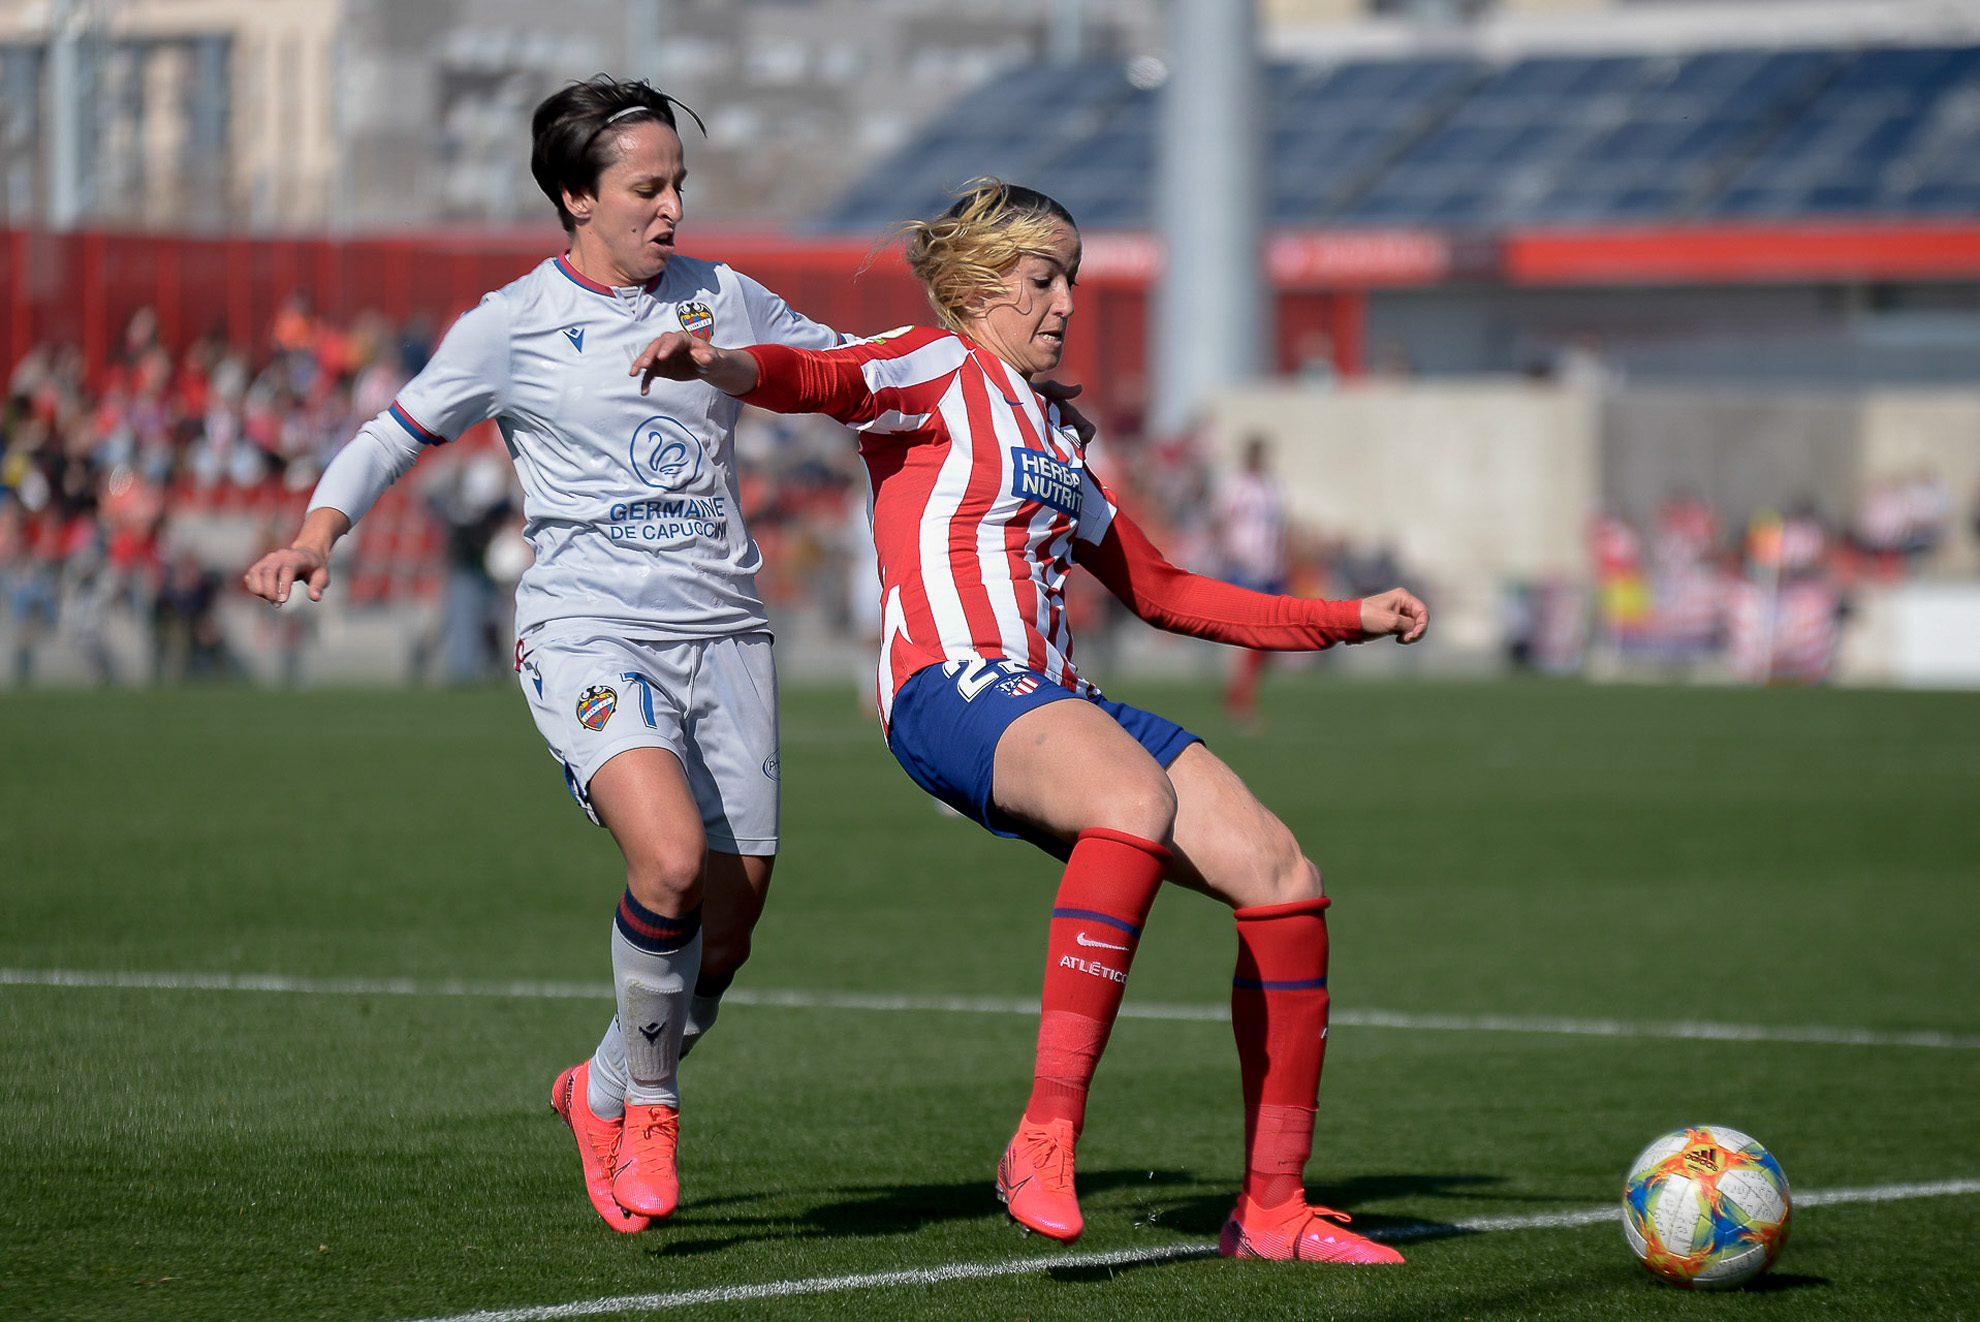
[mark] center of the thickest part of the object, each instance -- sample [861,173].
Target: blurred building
[359,114]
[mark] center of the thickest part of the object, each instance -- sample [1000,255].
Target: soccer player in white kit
[642,646]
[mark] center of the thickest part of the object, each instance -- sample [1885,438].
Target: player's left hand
[1058,392]
[1397,612]
[679,356]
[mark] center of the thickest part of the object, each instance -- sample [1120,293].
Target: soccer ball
[1706,1208]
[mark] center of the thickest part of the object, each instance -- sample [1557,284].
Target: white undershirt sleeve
[380,454]
[462,384]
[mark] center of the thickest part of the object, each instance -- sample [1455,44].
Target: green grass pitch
[1778,858]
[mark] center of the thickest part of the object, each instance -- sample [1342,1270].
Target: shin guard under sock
[1279,1016]
[655,962]
[1103,901]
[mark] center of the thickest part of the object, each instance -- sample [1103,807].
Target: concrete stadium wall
[1478,484]
[1741,449]
[1471,484]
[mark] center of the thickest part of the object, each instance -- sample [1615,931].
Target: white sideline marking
[801,1000]
[977,1271]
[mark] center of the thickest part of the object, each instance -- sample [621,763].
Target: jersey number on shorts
[972,677]
[645,687]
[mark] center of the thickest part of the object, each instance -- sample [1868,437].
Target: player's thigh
[612,713]
[1229,845]
[1068,767]
[642,797]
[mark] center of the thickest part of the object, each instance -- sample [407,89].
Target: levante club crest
[696,319]
[595,706]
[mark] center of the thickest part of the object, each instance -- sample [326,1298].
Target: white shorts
[710,702]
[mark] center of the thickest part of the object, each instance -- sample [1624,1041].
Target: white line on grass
[977,1271]
[805,1000]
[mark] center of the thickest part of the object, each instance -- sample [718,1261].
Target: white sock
[653,997]
[607,1093]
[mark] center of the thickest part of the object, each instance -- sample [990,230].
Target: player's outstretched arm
[305,560]
[1397,612]
[679,356]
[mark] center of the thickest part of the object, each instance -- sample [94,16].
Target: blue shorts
[947,720]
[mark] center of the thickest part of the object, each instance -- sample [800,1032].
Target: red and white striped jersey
[978,495]
[982,502]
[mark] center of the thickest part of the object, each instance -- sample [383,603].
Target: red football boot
[1035,1180]
[645,1181]
[1296,1231]
[598,1146]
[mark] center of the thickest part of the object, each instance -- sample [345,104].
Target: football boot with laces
[1296,1231]
[645,1181]
[1035,1180]
[598,1146]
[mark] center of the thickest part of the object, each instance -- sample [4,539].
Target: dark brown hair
[569,146]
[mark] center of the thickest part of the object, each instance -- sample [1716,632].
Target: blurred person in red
[1251,546]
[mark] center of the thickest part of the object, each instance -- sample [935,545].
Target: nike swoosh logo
[1085,940]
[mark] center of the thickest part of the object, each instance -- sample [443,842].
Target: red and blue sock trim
[652,932]
[1279,984]
[1105,919]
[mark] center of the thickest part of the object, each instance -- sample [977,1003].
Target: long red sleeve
[800,381]
[834,381]
[1181,602]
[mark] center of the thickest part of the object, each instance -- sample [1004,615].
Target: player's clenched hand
[274,574]
[1058,392]
[305,560]
[679,356]
[1397,612]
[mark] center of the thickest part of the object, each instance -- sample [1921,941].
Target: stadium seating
[1455,142]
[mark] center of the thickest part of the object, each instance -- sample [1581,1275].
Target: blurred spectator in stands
[1391,361]
[1901,521]
[1314,365]
[1624,604]
[187,641]
[1251,552]
[1687,589]
[1784,618]
[1581,364]
[473,496]
[1546,625]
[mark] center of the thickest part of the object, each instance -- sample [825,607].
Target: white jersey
[631,500]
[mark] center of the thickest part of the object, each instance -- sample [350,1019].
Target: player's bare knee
[1140,805]
[663,879]
[1296,877]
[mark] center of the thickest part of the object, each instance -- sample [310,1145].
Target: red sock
[1103,901]
[1279,1014]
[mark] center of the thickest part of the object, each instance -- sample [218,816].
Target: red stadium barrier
[1743,254]
[83,288]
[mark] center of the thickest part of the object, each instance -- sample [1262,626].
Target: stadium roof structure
[1460,143]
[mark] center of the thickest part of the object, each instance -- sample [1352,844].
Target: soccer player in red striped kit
[982,505]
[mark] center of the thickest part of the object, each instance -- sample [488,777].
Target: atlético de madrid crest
[697,319]
[595,706]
